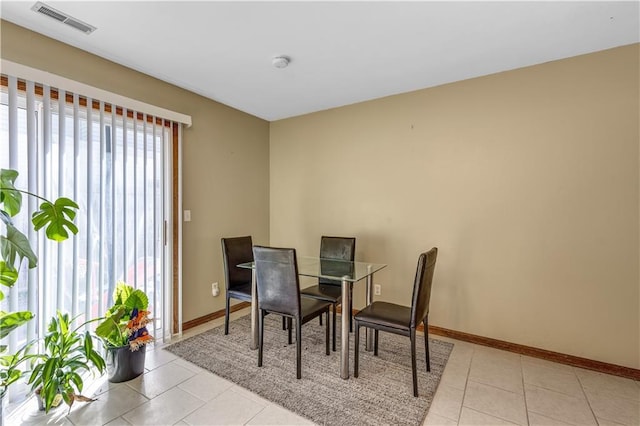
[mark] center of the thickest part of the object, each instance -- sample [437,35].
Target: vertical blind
[115,164]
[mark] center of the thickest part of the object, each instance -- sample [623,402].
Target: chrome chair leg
[356,354]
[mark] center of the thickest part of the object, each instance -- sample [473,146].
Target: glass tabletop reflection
[310,266]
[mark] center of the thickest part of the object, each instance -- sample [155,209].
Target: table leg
[344,346]
[368,338]
[254,311]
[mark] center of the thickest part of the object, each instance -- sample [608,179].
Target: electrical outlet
[215,289]
[376,289]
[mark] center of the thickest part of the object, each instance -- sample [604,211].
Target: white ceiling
[341,52]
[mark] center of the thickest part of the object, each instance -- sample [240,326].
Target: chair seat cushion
[311,308]
[241,291]
[329,293]
[385,314]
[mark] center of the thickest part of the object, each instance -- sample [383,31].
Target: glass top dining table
[347,273]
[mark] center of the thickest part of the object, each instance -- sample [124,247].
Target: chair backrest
[422,286]
[236,250]
[277,279]
[337,248]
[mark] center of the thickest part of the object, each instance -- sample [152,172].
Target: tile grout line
[462,406]
[255,415]
[499,388]
[551,416]
[551,389]
[134,408]
[162,393]
[176,386]
[585,396]
[524,392]
[464,393]
[494,415]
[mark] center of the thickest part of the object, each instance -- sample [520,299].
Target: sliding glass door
[116,165]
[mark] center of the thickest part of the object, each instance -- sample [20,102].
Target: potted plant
[10,364]
[11,372]
[58,218]
[67,354]
[124,333]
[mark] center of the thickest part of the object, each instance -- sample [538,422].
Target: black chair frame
[236,250]
[324,289]
[279,293]
[419,313]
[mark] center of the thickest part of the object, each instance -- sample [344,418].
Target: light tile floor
[480,386]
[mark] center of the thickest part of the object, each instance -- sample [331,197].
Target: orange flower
[141,340]
[137,330]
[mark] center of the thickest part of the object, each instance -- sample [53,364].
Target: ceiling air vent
[63,17]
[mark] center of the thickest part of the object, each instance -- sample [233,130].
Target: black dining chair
[334,248]
[236,250]
[279,293]
[399,319]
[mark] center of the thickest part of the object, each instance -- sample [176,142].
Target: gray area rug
[381,395]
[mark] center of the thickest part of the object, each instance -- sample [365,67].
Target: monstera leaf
[15,245]
[57,217]
[9,196]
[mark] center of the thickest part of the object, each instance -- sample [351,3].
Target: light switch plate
[187,216]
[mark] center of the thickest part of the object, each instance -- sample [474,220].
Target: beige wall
[526,180]
[226,157]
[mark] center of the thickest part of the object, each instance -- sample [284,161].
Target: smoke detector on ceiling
[280,61]
[63,18]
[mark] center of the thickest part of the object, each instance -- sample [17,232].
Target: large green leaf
[76,379]
[10,198]
[126,295]
[9,321]
[8,275]
[57,217]
[63,322]
[109,329]
[36,376]
[12,376]
[138,299]
[16,245]
[11,366]
[51,385]
[97,360]
[121,293]
[4,216]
